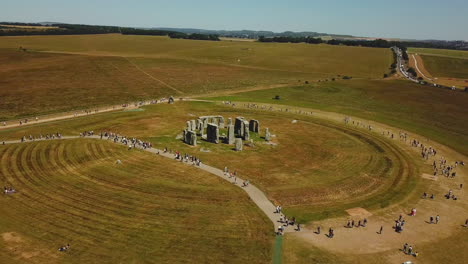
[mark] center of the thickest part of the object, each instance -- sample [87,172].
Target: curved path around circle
[347,240]
[257,196]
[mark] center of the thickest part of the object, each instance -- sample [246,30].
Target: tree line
[77,29]
[377,43]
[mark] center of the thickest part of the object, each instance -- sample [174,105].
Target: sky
[413,19]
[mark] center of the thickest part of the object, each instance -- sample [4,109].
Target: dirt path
[418,63]
[62,116]
[415,61]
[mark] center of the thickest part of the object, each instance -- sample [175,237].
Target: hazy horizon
[400,19]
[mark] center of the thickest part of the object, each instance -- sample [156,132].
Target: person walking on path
[381,229]
[437,219]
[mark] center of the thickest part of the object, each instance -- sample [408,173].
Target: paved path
[257,196]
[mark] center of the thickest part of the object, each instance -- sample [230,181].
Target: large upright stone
[190,137]
[201,129]
[254,126]
[246,134]
[221,122]
[238,144]
[189,126]
[212,133]
[238,125]
[231,137]
[193,123]
[267,134]
[229,121]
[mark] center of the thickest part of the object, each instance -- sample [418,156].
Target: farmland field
[440,52]
[446,66]
[303,58]
[104,69]
[39,83]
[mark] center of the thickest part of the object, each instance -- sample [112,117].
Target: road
[401,66]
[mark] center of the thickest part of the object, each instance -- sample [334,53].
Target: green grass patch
[396,103]
[446,67]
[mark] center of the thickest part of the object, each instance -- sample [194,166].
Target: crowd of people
[41,137]
[64,248]
[352,223]
[8,190]
[409,250]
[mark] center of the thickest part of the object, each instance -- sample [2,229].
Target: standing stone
[201,130]
[246,134]
[205,122]
[193,138]
[193,123]
[221,122]
[238,126]
[190,137]
[189,126]
[254,126]
[229,121]
[230,135]
[212,133]
[239,144]
[267,135]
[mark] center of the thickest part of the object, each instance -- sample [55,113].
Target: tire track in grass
[152,77]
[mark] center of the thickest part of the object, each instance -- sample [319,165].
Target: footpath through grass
[145,210]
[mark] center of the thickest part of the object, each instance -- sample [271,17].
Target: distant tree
[277,97]
[412,71]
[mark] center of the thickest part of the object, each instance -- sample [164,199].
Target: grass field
[446,66]
[397,103]
[360,168]
[38,83]
[314,59]
[145,210]
[440,52]
[116,68]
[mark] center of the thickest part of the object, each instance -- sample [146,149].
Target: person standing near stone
[437,219]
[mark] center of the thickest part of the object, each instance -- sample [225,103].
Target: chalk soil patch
[429,177]
[359,212]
